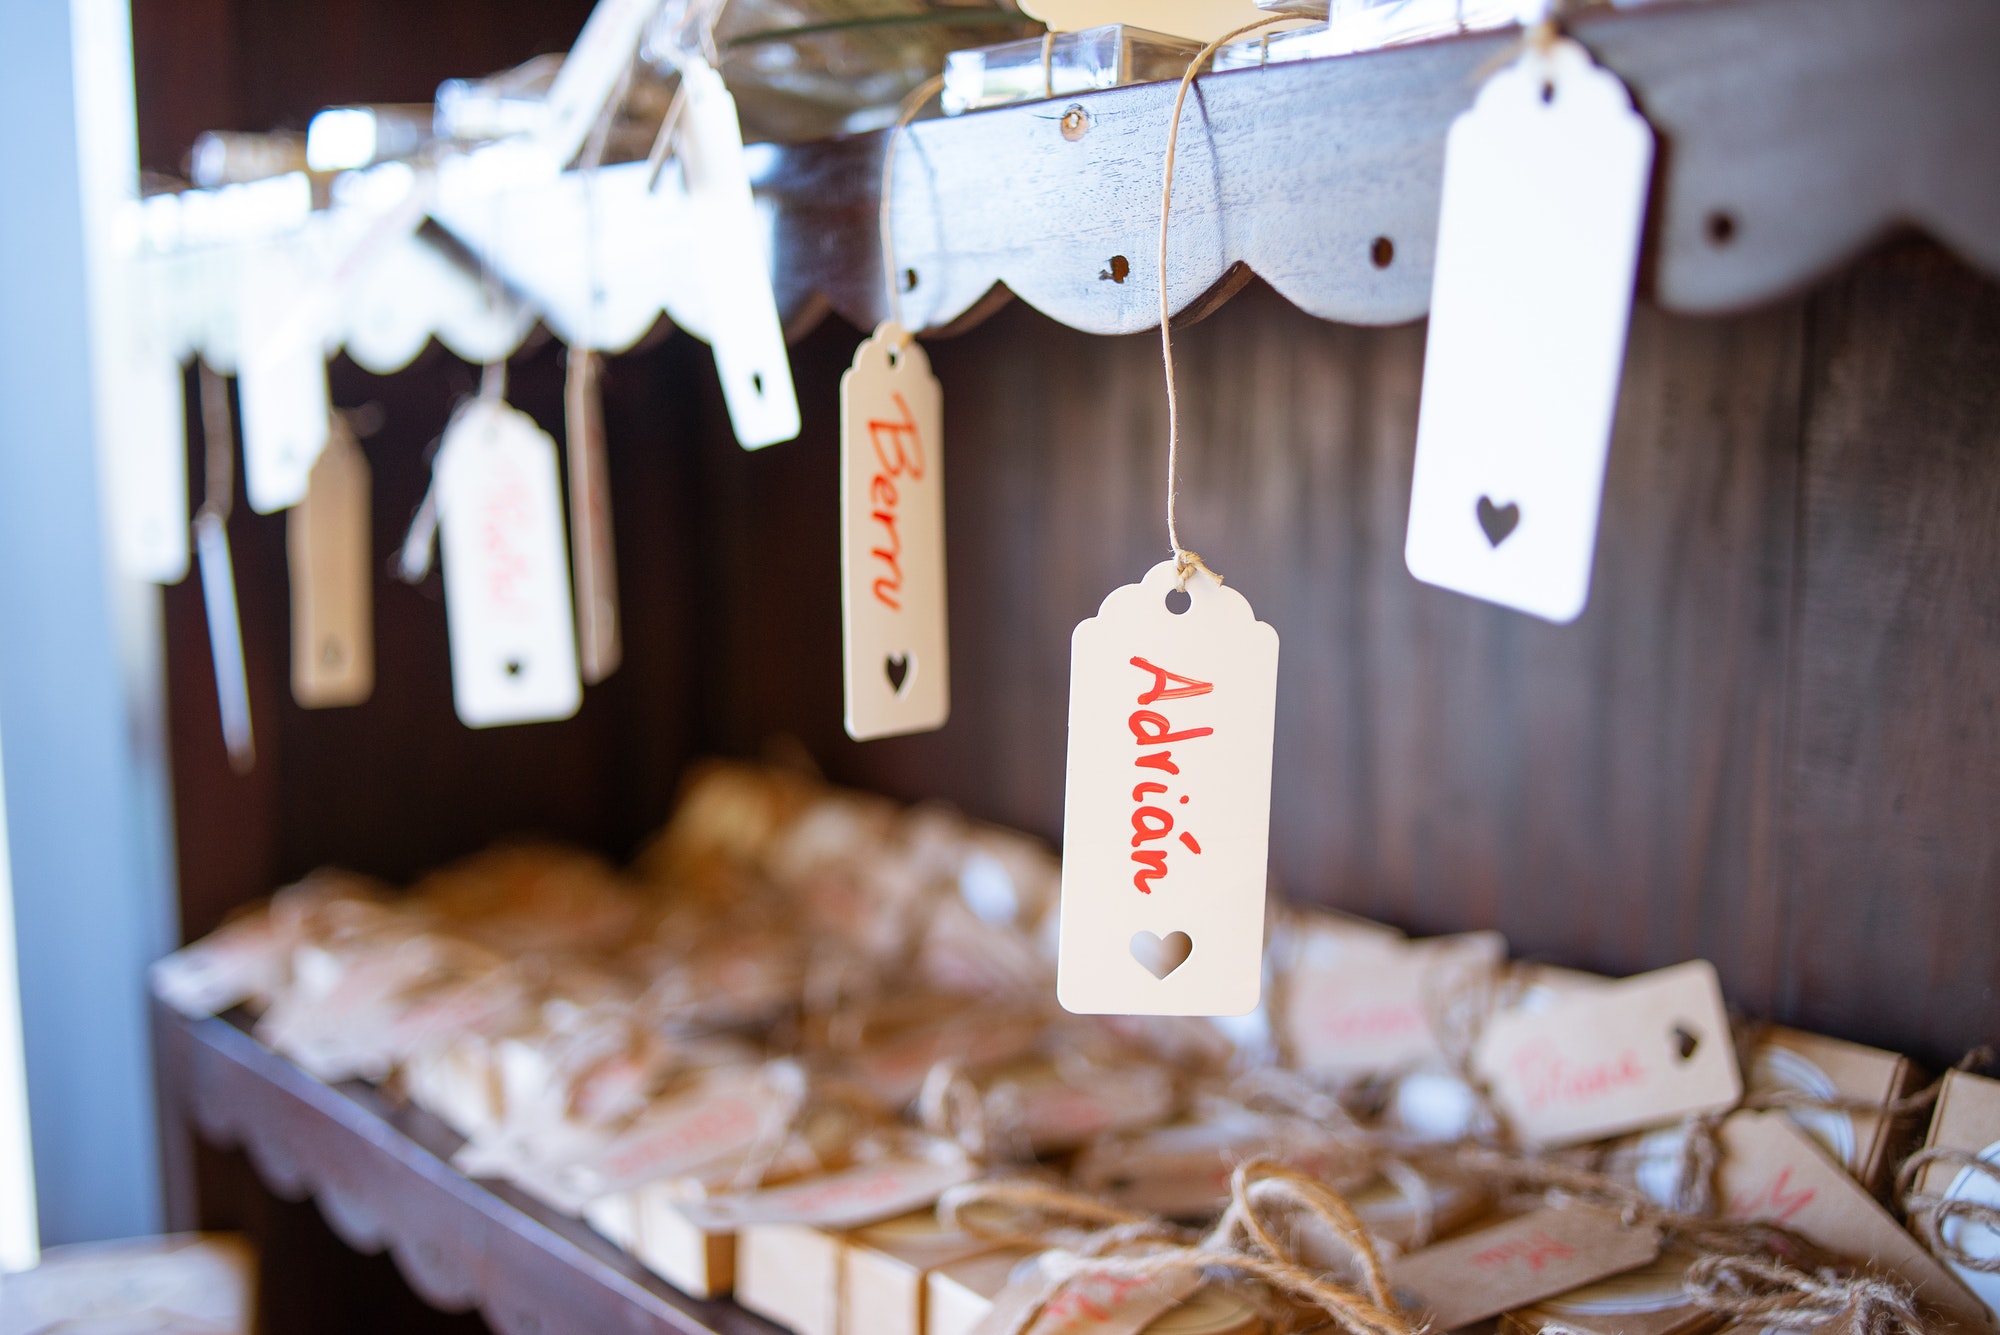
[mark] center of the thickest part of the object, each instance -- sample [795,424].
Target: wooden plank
[1793,133]
[1893,900]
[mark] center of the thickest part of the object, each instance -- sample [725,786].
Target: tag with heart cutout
[330,558]
[1615,1058]
[894,635]
[1538,242]
[506,573]
[1167,813]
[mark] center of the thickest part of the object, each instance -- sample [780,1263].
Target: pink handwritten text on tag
[899,449]
[1776,1202]
[1150,727]
[1535,1251]
[504,515]
[1548,1079]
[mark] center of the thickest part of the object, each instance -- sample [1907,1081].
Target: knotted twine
[1121,1244]
[1930,1212]
[1769,1293]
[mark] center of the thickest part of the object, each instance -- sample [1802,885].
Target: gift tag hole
[1382,251]
[1685,1041]
[897,666]
[331,653]
[1548,92]
[1162,954]
[909,280]
[1120,270]
[1178,601]
[757,381]
[1497,521]
[1721,227]
[513,667]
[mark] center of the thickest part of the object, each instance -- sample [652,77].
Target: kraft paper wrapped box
[870,1281]
[1967,1120]
[962,1293]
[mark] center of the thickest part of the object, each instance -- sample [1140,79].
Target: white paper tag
[846,1199]
[328,547]
[1167,812]
[590,72]
[1630,1054]
[592,553]
[1538,242]
[743,327]
[506,576]
[225,638]
[281,377]
[144,454]
[892,592]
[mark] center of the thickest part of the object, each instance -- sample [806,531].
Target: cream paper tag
[1037,1302]
[1201,20]
[734,263]
[328,546]
[1534,1256]
[1772,1172]
[599,647]
[1538,240]
[280,378]
[1167,810]
[506,577]
[1630,1054]
[726,1115]
[848,1199]
[1369,1008]
[225,638]
[892,591]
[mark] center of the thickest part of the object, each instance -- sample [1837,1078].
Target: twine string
[892,277]
[1931,1212]
[1185,561]
[1765,1292]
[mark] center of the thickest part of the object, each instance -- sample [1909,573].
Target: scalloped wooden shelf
[381,1175]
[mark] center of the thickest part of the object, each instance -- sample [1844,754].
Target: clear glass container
[1073,62]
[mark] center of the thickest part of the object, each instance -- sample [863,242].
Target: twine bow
[1264,1197]
[1774,1294]
[1930,1212]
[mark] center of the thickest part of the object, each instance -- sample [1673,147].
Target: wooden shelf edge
[381,1177]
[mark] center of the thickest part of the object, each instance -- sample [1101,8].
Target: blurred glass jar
[805,69]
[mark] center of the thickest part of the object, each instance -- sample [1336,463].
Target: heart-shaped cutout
[1162,954]
[898,668]
[1497,521]
[1685,1041]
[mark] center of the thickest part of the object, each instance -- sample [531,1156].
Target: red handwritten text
[1548,1078]
[900,453]
[1534,1251]
[1152,821]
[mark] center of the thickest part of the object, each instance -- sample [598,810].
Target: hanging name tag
[281,379]
[506,578]
[1538,242]
[225,638]
[1626,1055]
[735,268]
[327,546]
[143,408]
[894,634]
[598,644]
[1167,813]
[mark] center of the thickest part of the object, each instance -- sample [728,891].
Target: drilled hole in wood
[1120,270]
[1382,251]
[1178,601]
[1075,122]
[1721,227]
